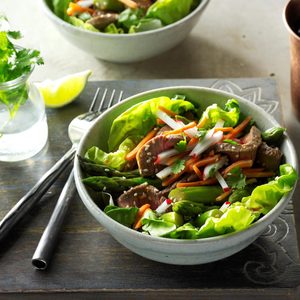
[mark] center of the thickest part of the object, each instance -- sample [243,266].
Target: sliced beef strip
[148,153]
[140,195]
[268,157]
[164,129]
[103,19]
[245,151]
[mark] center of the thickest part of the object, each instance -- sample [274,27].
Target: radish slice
[192,132]
[85,3]
[208,141]
[222,182]
[224,207]
[163,156]
[164,173]
[164,206]
[168,120]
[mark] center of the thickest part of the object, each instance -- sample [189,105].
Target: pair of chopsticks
[43,253]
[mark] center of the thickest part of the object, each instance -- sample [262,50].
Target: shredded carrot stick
[202,122]
[132,154]
[240,163]
[197,171]
[172,178]
[192,142]
[258,174]
[238,128]
[167,111]
[223,196]
[208,160]
[179,130]
[75,8]
[224,129]
[129,3]
[140,214]
[209,181]
[190,162]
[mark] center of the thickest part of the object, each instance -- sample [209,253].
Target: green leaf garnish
[178,166]
[236,179]
[14,62]
[181,146]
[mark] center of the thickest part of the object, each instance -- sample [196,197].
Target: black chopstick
[44,250]
[24,205]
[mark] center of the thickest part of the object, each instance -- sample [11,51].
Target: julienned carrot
[223,196]
[238,129]
[167,111]
[224,129]
[129,3]
[132,154]
[197,171]
[172,178]
[75,8]
[159,122]
[240,163]
[258,174]
[209,181]
[202,123]
[140,214]
[208,160]
[179,130]
[192,142]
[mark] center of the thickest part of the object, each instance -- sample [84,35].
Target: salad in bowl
[179,168]
[122,16]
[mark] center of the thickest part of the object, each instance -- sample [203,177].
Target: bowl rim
[252,230]
[65,24]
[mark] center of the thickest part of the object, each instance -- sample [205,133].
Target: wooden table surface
[89,264]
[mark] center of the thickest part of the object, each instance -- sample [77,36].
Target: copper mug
[291,16]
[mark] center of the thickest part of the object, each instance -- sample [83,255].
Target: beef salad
[122,16]
[176,171]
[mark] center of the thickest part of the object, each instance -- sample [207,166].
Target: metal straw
[44,250]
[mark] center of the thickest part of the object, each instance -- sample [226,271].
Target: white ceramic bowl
[125,48]
[172,251]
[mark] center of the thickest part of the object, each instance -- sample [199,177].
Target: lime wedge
[62,91]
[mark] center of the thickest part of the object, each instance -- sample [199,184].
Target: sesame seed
[135,194]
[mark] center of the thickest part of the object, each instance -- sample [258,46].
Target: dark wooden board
[88,262]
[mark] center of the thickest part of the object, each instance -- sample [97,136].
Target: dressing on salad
[122,16]
[176,172]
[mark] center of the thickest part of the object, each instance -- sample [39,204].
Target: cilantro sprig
[14,62]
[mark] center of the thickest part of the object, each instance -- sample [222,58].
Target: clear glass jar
[23,123]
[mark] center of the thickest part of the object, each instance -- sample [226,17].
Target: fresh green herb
[201,133]
[236,179]
[178,166]
[181,145]
[14,62]
[230,142]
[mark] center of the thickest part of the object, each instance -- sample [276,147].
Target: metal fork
[77,128]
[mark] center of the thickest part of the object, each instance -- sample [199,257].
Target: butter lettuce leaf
[230,114]
[264,197]
[138,120]
[115,160]
[169,11]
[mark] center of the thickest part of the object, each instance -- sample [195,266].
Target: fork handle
[20,209]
